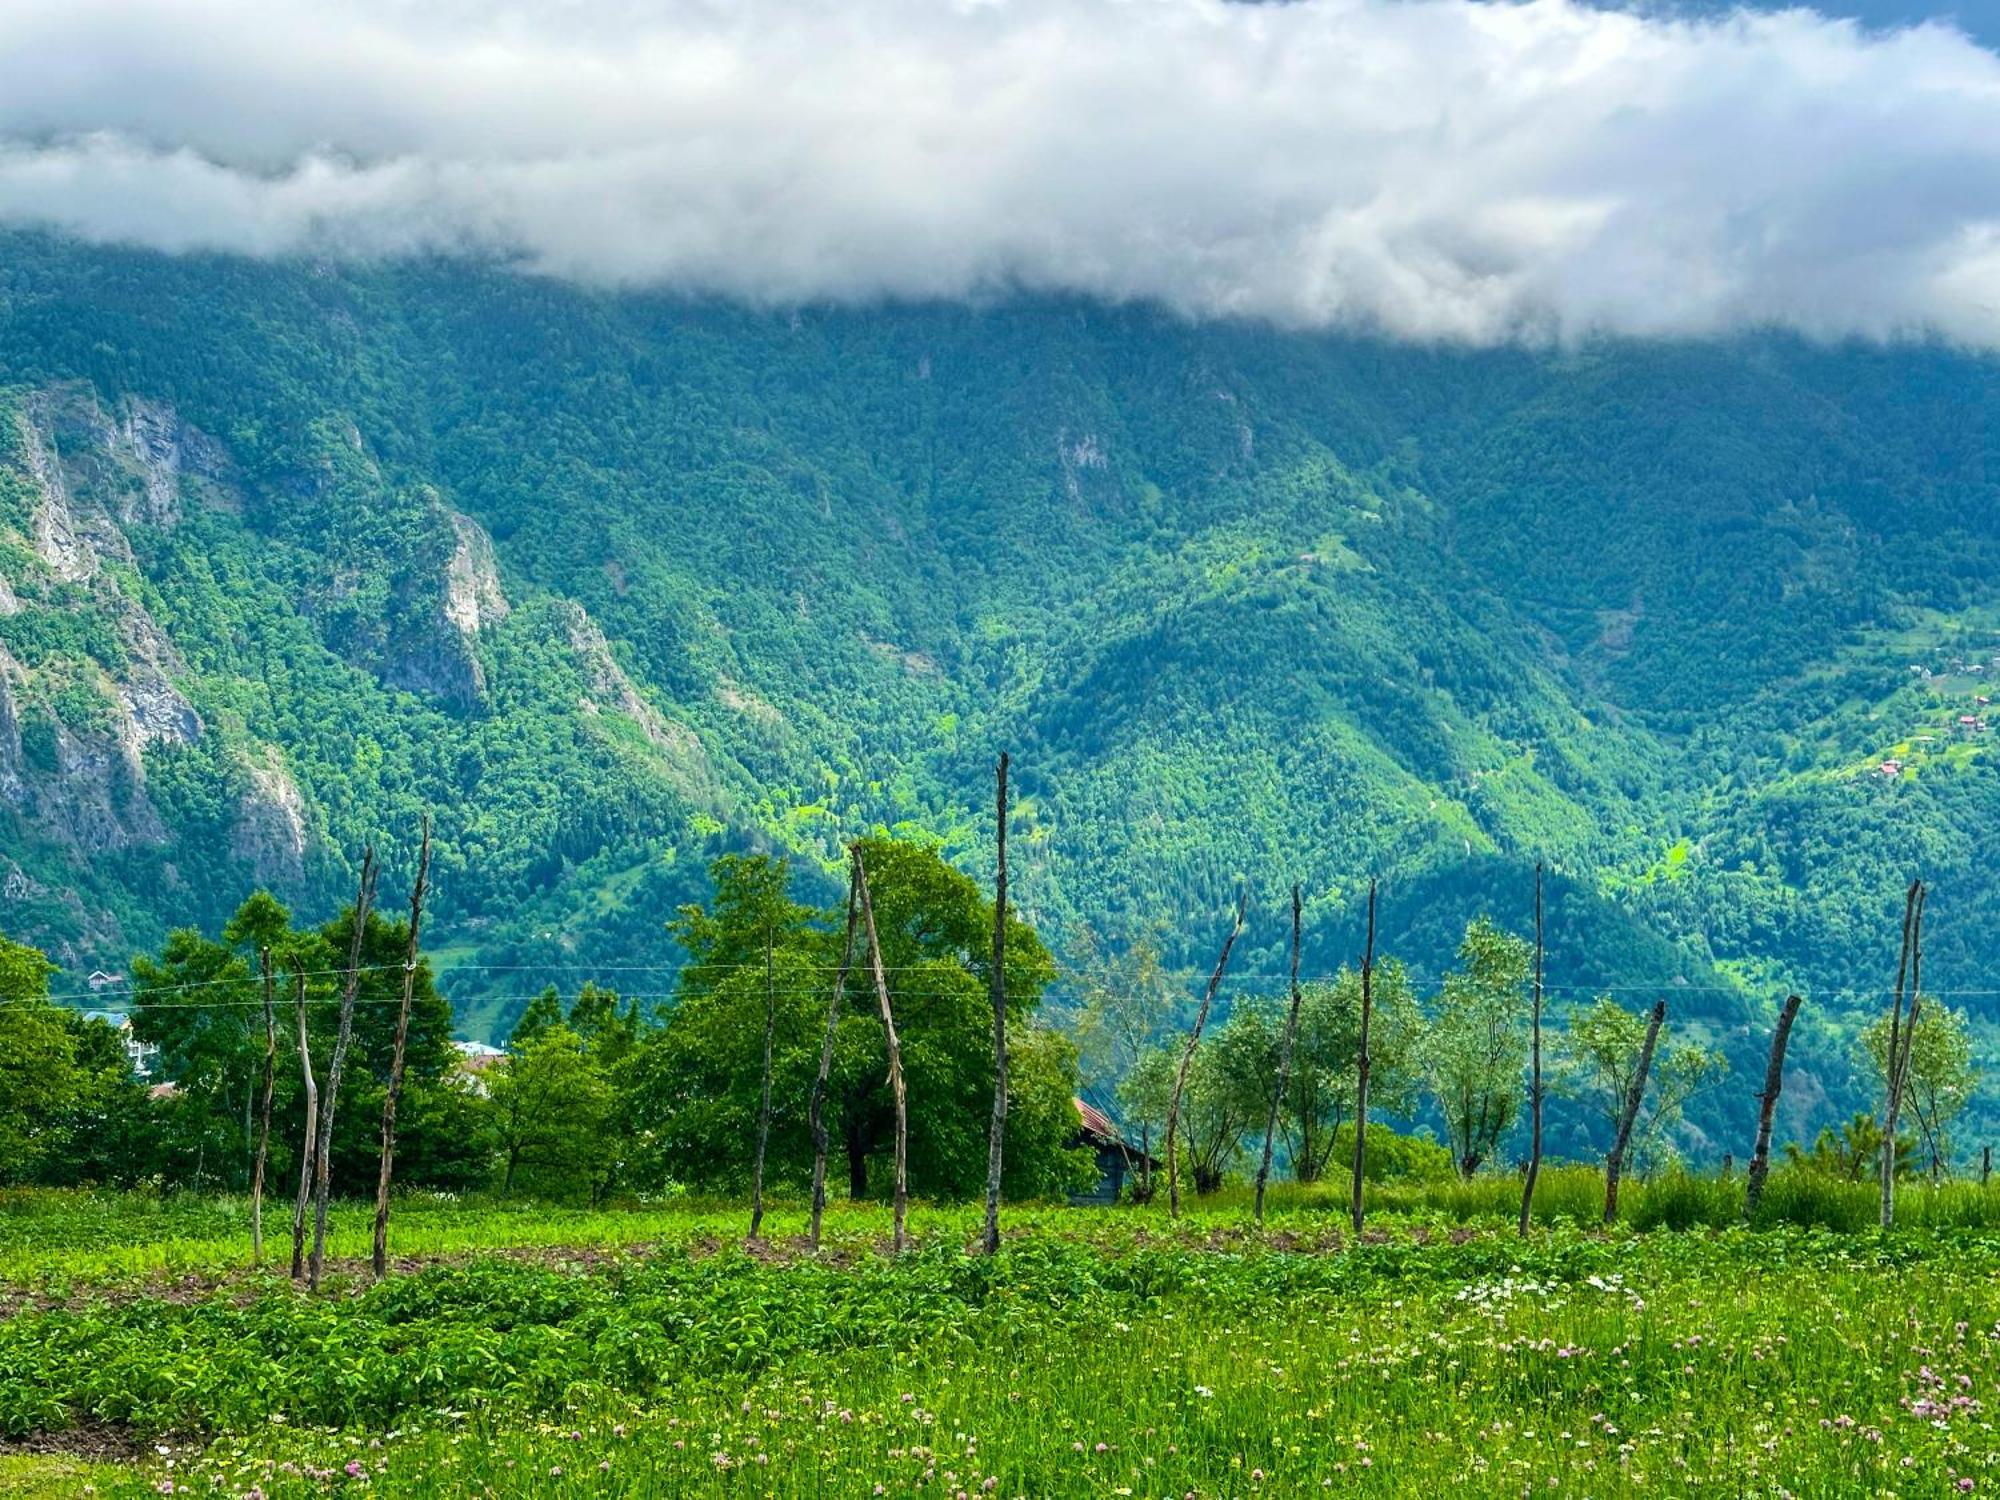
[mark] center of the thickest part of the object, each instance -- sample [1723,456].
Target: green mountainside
[615,582]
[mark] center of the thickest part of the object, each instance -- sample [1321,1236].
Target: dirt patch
[94,1442]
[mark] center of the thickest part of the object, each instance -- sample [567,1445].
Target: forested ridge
[616,582]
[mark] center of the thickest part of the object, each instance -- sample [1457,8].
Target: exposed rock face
[270,831]
[473,598]
[442,661]
[607,686]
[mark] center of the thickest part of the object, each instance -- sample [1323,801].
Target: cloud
[1427,168]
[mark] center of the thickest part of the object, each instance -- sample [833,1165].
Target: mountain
[614,581]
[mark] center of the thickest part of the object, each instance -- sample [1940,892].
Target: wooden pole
[1187,1057]
[1535,1073]
[1614,1164]
[997,1130]
[902,1208]
[364,901]
[1909,970]
[264,1116]
[764,1107]
[1362,1064]
[1284,1059]
[308,1148]
[817,1112]
[1985,1166]
[1767,1108]
[389,1101]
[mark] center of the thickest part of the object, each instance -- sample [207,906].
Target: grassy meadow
[646,1351]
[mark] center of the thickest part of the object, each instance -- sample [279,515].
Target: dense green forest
[617,582]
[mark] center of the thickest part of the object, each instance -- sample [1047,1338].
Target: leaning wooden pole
[389,1101]
[1284,1058]
[1534,1073]
[264,1111]
[1362,1064]
[1614,1164]
[1767,1107]
[1893,1072]
[896,1088]
[764,1105]
[1187,1058]
[309,1145]
[816,1113]
[997,1129]
[364,901]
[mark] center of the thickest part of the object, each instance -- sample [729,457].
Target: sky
[1436,170]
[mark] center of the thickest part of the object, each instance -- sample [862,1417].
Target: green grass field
[645,1352]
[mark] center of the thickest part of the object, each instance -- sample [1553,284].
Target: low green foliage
[1100,1353]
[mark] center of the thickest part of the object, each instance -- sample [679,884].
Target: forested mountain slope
[616,581]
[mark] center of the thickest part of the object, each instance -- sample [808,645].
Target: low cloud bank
[1424,168]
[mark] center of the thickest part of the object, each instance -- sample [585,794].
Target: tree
[1229,1081]
[40,1082]
[552,1110]
[1940,1078]
[1476,1049]
[692,1086]
[1597,1059]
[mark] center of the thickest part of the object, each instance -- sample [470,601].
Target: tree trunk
[1535,1074]
[1362,1064]
[1187,1057]
[1614,1164]
[364,900]
[902,1199]
[264,1115]
[997,1131]
[381,1248]
[1284,1063]
[817,1112]
[764,1105]
[1908,972]
[309,1147]
[1767,1109]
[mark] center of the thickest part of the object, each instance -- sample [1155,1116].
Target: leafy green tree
[1477,1047]
[693,1086]
[1941,1078]
[1319,1098]
[1597,1059]
[40,1082]
[552,1110]
[1227,1095]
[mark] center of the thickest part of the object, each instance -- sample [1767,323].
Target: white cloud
[1433,168]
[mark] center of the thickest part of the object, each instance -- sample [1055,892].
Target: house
[140,1055]
[99,980]
[1892,768]
[476,1060]
[1114,1158]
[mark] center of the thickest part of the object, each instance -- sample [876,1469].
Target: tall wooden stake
[817,1112]
[1535,1073]
[1614,1164]
[1767,1107]
[996,1133]
[1187,1057]
[1284,1058]
[902,1210]
[364,901]
[1362,1063]
[309,1146]
[1900,1030]
[381,1252]
[264,1115]
[764,1106]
